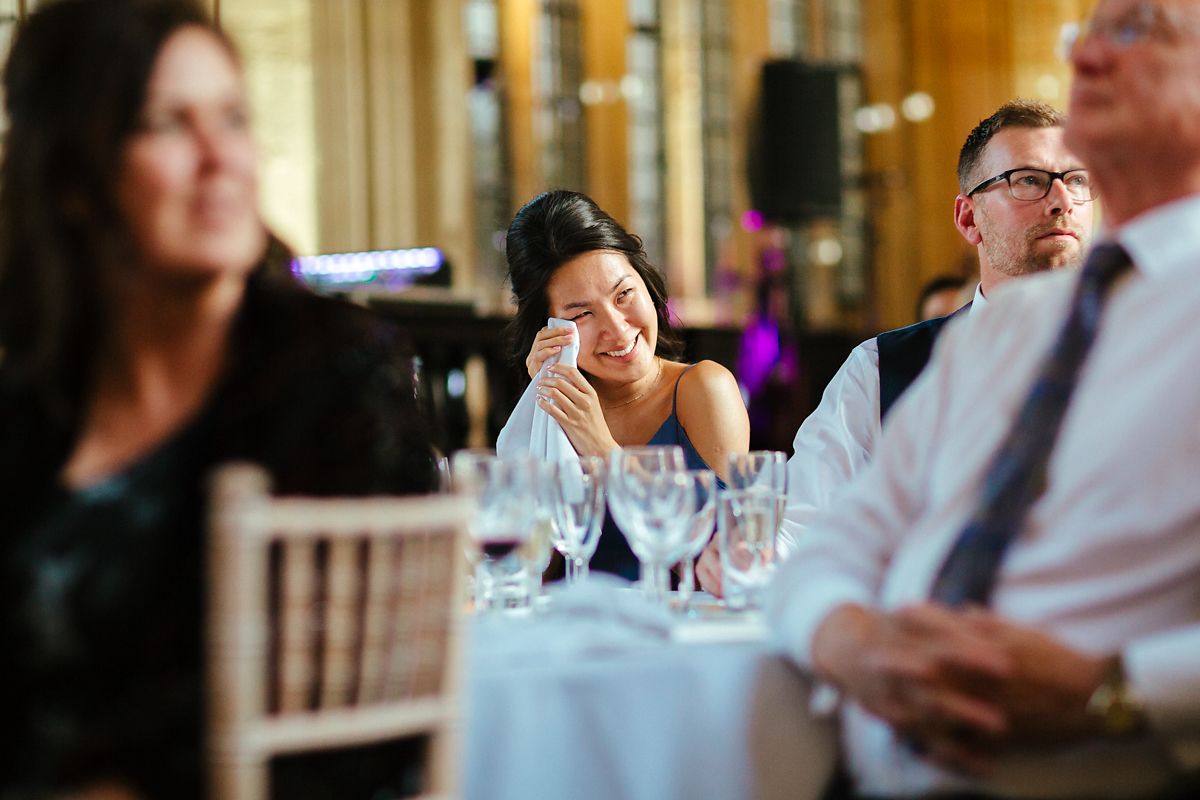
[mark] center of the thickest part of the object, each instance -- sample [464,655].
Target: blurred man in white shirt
[1080,676]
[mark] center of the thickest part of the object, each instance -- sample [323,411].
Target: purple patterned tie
[1017,475]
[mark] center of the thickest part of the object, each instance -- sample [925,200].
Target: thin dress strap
[675,396]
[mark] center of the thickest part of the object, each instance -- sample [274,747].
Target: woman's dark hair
[75,85]
[550,230]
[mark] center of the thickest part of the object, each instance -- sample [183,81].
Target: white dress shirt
[1109,558]
[836,440]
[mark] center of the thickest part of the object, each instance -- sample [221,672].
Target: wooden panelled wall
[969,56]
[390,140]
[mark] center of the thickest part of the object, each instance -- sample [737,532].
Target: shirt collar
[1164,240]
[979,301]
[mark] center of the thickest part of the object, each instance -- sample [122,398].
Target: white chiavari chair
[332,623]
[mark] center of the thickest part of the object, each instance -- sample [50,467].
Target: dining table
[597,692]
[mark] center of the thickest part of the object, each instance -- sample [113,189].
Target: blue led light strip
[379,266]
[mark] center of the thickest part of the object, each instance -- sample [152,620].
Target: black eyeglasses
[1026,183]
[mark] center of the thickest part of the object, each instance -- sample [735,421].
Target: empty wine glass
[650,499]
[747,521]
[578,503]
[698,532]
[535,550]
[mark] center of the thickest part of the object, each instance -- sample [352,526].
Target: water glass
[747,522]
[578,506]
[651,500]
[764,470]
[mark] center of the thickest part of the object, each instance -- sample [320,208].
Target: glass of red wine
[507,512]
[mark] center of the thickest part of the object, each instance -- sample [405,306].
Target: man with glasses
[1025,203]
[1009,598]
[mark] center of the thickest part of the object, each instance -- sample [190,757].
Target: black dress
[101,590]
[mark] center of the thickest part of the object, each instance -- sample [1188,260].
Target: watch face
[1113,704]
[1123,718]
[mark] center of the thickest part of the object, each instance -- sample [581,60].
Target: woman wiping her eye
[567,258]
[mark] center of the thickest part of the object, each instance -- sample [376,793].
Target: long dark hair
[75,85]
[550,230]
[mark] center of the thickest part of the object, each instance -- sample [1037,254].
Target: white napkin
[530,431]
[612,600]
[598,617]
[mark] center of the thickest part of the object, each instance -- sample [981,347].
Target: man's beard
[1032,256]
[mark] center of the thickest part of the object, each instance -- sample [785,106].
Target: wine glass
[465,473]
[535,550]
[507,509]
[698,532]
[466,470]
[648,494]
[747,521]
[578,503]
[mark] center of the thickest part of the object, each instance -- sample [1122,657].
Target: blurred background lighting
[875,118]
[917,107]
[825,251]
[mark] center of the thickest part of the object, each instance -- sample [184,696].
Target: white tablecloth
[612,706]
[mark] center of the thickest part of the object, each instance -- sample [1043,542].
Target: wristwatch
[1114,705]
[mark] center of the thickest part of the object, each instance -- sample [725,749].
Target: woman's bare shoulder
[706,388]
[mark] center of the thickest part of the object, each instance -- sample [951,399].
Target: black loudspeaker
[796,161]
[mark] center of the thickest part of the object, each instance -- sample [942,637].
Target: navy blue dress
[612,551]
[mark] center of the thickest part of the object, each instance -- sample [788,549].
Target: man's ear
[964,219]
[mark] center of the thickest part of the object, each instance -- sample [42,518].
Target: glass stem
[687,580]
[534,582]
[581,569]
[655,582]
[483,588]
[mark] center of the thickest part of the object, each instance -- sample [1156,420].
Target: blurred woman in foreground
[150,331]
[567,258]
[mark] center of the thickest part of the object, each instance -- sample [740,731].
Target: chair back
[331,623]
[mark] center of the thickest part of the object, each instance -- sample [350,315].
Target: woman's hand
[708,569]
[548,342]
[567,397]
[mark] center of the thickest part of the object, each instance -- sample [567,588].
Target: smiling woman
[150,331]
[567,258]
